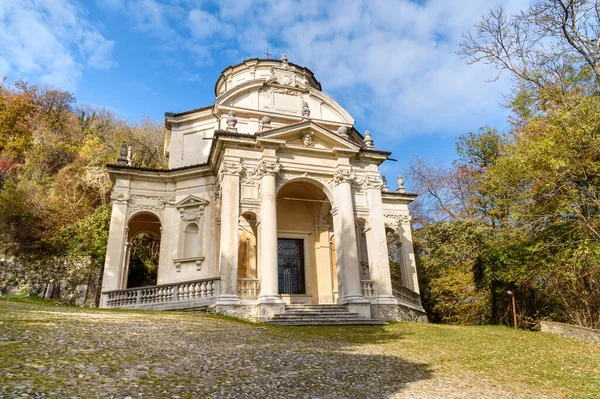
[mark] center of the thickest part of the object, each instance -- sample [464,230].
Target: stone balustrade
[368,289]
[182,295]
[248,288]
[406,295]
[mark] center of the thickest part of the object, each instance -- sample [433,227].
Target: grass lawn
[48,350]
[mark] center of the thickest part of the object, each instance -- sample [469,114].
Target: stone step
[322,311]
[321,315]
[316,307]
[326,322]
[317,315]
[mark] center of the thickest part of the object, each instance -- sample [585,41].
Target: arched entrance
[304,228]
[143,250]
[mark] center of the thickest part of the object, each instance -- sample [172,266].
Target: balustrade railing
[164,293]
[248,288]
[368,288]
[405,294]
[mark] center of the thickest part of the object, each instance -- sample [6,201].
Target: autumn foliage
[54,189]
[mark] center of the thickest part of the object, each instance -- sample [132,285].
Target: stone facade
[271,198]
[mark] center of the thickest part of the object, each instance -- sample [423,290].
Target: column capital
[230,168]
[344,175]
[373,182]
[268,167]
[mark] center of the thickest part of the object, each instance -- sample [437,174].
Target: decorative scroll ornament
[343,131]
[231,168]
[286,76]
[372,181]
[397,220]
[268,168]
[190,216]
[120,197]
[344,176]
[148,202]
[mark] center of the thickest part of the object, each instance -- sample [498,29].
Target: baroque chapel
[272,209]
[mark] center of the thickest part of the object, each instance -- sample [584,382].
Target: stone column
[230,208]
[379,261]
[125,264]
[409,271]
[116,246]
[346,244]
[269,289]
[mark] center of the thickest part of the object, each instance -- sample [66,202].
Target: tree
[54,189]
[542,46]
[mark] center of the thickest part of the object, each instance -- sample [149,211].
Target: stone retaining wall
[571,331]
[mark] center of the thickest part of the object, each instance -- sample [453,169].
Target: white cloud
[49,41]
[391,61]
[203,25]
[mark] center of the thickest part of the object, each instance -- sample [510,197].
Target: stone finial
[368,141]
[284,60]
[385,187]
[401,188]
[305,110]
[265,123]
[343,131]
[231,122]
[125,155]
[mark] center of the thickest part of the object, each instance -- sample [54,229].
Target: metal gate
[290,262]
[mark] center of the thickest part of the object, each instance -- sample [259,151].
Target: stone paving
[55,352]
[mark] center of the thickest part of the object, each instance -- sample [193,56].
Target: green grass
[538,360]
[506,357]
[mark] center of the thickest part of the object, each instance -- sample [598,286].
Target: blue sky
[392,64]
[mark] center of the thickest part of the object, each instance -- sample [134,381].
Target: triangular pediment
[308,135]
[191,200]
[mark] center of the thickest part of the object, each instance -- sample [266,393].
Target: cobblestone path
[61,352]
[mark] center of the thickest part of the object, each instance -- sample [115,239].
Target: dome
[275,71]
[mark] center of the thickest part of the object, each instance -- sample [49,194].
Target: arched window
[191,241]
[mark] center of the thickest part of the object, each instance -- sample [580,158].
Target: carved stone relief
[119,197]
[395,221]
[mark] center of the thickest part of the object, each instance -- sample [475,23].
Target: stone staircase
[321,315]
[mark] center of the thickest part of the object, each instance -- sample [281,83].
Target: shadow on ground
[69,352]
